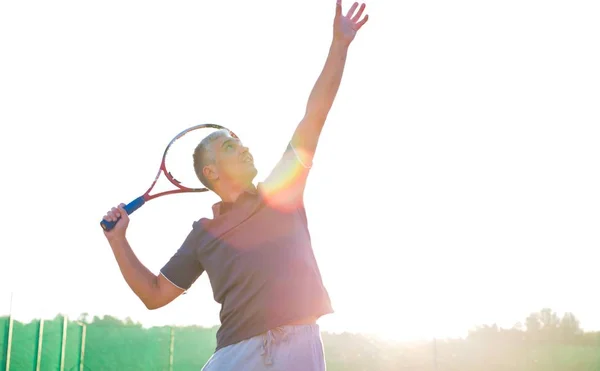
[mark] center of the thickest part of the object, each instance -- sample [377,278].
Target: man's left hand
[346,26]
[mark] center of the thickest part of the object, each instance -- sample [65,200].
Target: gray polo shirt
[258,256]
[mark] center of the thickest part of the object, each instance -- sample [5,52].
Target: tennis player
[256,249]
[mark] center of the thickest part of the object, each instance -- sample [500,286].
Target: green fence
[106,344]
[111,344]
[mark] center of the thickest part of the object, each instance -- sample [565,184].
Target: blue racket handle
[130,208]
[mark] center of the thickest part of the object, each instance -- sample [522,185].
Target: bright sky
[456,182]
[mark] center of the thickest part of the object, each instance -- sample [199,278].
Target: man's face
[233,161]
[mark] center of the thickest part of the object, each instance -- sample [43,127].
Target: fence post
[63,344]
[171,349]
[435,363]
[10,331]
[82,345]
[40,343]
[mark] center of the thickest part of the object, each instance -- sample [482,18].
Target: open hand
[346,26]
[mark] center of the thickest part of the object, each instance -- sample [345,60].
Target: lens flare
[283,189]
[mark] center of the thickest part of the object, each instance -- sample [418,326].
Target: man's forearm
[323,93]
[138,277]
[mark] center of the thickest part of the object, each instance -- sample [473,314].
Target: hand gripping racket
[176,162]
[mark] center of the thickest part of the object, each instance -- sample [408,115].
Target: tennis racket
[176,166]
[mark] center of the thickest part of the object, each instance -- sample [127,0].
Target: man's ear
[210,172]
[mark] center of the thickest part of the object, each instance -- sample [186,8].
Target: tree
[485,334]
[549,320]
[533,323]
[543,325]
[569,327]
[84,317]
[518,326]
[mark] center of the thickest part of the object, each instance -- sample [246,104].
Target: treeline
[543,341]
[543,327]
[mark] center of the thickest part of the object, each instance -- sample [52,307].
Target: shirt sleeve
[303,158]
[183,269]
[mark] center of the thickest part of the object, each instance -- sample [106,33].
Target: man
[256,250]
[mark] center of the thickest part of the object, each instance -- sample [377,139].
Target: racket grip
[130,208]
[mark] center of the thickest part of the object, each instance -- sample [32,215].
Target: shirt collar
[216,208]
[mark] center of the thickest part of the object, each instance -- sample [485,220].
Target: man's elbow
[160,294]
[152,298]
[152,304]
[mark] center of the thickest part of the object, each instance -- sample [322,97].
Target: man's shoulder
[201,225]
[195,235]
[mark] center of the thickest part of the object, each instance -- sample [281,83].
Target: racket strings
[179,157]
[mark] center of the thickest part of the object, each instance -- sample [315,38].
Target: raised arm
[345,27]
[285,185]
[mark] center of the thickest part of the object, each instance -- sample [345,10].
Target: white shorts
[286,348]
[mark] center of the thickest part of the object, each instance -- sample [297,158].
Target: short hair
[203,156]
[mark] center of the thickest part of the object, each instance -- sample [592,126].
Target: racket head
[177,161]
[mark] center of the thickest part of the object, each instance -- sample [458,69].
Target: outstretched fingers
[362,22]
[352,20]
[351,10]
[359,13]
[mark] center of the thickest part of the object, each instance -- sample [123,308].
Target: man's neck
[231,194]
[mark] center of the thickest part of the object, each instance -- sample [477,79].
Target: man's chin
[251,178]
[248,176]
[250,173]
